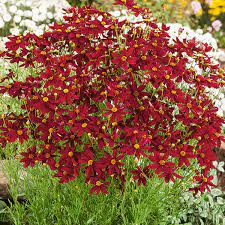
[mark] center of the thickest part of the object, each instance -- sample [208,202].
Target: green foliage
[205,209]
[49,202]
[80,3]
[163,10]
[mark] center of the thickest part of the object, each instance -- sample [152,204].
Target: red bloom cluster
[102,91]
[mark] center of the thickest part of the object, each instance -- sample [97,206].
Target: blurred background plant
[210,16]
[177,10]
[80,3]
[28,15]
[163,10]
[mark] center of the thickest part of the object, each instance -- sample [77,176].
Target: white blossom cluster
[19,16]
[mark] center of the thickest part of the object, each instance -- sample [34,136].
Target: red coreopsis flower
[136,148]
[184,153]
[99,186]
[169,174]
[42,56]
[163,167]
[45,103]
[116,113]
[125,59]
[14,130]
[205,157]
[131,5]
[47,155]
[81,127]
[46,128]
[135,133]
[91,167]
[141,175]
[113,162]
[30,157]
[65,174]
[204,182]
[66,94]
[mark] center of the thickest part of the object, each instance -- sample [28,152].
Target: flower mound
[103,91]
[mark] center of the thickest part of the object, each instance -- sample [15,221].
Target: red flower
[81,127]
[163,167]
[135,148]
[99,186]
[204,182]
[65,174]
[141,175]
[113,162]
[30,157]
[124,59]
[116,113]
[184,154]
[91,167]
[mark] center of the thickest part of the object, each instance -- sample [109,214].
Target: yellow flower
[217,7]
[199,13]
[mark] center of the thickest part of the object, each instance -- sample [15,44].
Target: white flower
[196,6]
[17,18]
[183,32]
[43,9]
[42,17]
[18,3]
[3,9]
[22,23]
[38,31]
[35,11]
[223,105]
[12,9]
[42,26]
[36,18]
[14,31]
[215,91]
[1,22]
[26,32]
[28,3]
[217,25]
[28,23]
[217,103]
[220,112]
[221,96]
[19,12]
[7,17]
[49,15]
[2,47]
[199,31]
[115,13]
[27,13]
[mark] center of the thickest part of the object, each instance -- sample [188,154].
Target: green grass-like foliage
[49,202]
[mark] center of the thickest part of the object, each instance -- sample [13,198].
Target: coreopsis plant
[108,98]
